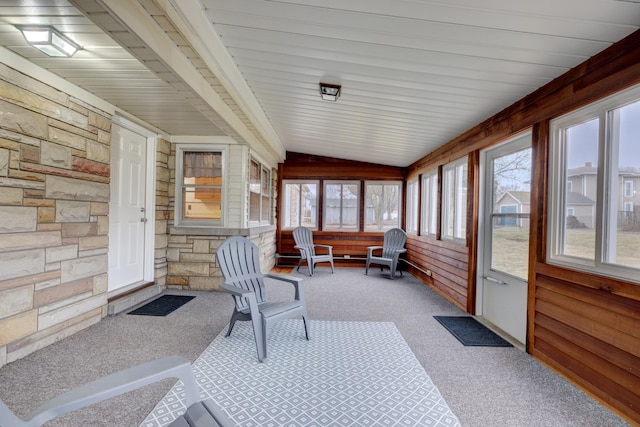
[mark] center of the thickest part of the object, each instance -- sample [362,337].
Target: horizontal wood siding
[448,263]
[352,244]
[590,335]
[305,166]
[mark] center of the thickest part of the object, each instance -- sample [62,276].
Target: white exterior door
[504,253]
[127,209]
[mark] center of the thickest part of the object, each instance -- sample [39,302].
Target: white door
[505,236]
[127,209]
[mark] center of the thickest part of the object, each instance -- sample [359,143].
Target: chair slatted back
[304,239]
[239,260]
[394,239]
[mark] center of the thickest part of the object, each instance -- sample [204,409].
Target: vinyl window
[412,207]
[199,186]
[429,204]
[454,201]
[299,204]
[341,205]
[259,193]
[383,201]
[597,147]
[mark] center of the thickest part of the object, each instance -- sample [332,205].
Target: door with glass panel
[505,236]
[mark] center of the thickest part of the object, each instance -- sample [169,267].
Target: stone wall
[163,211]
[54,205]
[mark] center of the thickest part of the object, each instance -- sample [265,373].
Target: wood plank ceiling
[414,73]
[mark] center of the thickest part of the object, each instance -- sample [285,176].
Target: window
[300,204]
[259,193]
[454,200]
[382,202]
[341,212]
[412,206]
[199,186]
[628,189]
[430,204]
[603,234]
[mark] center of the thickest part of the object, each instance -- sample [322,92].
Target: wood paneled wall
[584,326]
[353,244]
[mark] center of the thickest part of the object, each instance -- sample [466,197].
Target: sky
[583,140]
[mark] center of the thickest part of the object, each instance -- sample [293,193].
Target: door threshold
[504,335]
[129,296]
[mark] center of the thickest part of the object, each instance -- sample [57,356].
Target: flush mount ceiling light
[48,40]
[329,92]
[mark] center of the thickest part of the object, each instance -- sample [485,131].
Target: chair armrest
[285,278]
[370,249]
[328,248]
[118,383]
[234,290]
[295,281]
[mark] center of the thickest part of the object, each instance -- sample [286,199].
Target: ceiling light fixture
[330,92]
[48,40]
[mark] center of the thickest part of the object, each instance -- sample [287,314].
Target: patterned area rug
[348,374]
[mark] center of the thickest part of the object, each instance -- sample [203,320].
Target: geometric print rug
[347,374]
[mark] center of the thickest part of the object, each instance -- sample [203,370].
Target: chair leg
[259,335]
[331,266]
[306,331]
[232,322]
[366,269]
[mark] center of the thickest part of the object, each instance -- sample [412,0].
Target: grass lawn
[511,248]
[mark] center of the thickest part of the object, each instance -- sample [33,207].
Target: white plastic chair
[388,254]
[239,260]
[198,414]
[304,243]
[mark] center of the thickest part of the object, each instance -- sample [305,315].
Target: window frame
[325,199]
[607,148]
[300,183]
[384,184]
[179,220]
[459,225]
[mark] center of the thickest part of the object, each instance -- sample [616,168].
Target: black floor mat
[470,332]
[163,305]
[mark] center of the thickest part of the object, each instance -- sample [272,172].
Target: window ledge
[221,231]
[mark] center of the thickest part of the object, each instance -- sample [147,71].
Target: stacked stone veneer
[163,177]
[54,205]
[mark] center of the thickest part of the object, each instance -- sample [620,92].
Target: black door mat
[162,306]
[470,332]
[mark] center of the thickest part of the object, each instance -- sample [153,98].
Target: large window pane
[412,207]
[382,206]
[300,204]
[454,202]
[510,210]
[581,183]
[341,206]
[430,204]
[623,242]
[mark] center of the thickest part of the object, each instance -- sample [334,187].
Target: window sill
[221,231]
